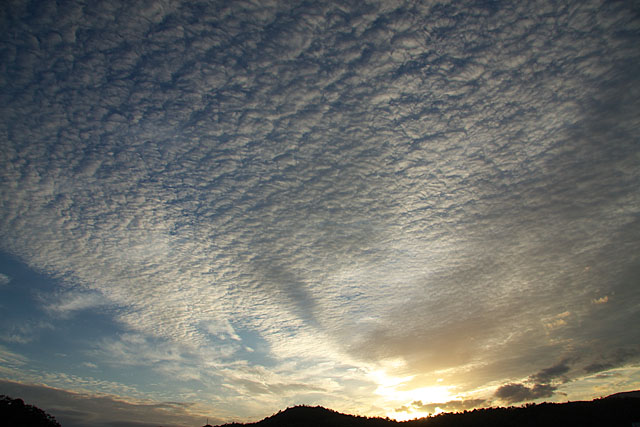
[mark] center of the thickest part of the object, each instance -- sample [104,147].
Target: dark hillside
[601,412]
[317,416]
[621,411]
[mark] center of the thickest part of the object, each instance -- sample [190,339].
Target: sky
[214,209]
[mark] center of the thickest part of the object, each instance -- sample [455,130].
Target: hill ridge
[619,409]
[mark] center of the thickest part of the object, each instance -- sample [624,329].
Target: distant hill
[635,394]
[15,413]
[621,409]
[316,416]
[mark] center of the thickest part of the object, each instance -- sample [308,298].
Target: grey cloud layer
[439,182]
[80,409]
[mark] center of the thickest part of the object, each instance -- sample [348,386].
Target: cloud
[514,392]
[612,359]
[557,321]
[10,359]
[543,384]
[342,184]
[4,279]
[68,302]
[23,333]
[548,374]
[81,409]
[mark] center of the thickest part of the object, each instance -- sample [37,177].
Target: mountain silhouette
[620,409]
[634,394]
[316,416]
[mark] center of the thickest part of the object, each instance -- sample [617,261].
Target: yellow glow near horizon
[390,389]
[410,415]
[406,416]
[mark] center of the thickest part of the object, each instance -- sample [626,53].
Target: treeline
[16,413]
[601,412]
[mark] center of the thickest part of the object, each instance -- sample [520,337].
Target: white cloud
[69,302]
[10,359]
[4,279]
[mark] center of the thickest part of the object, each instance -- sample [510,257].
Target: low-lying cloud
[516,392]
[82,409]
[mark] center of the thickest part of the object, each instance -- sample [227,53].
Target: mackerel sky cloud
[220,209]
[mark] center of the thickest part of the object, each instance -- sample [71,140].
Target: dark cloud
[543,384]
[613,359]
[548,374]
[515,392]
[598,367]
